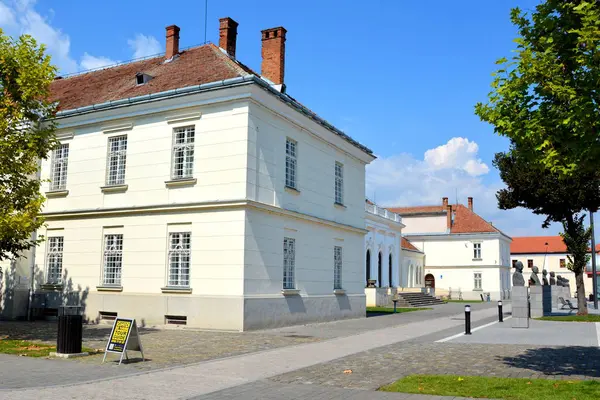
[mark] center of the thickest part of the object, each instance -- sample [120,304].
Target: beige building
[190,189]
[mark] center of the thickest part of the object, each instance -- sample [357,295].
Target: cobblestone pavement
[265,390]
[375,368]
[162,347]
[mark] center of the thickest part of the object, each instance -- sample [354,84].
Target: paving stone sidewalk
[265,390]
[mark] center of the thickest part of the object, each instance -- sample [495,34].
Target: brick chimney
[172,41]
[228,35]
[445,202]
[470,202]
[273,54]
[449,217]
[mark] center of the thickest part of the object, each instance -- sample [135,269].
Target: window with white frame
[477,251]
[183,152]
[113,260]
[54,260]
[477,280]
[117,156]
[337,267]
[289,263]
[291,163]
[179,259]
[339,183]
[60,160]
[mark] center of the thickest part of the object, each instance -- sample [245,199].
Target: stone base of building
[381,297]
[213,312]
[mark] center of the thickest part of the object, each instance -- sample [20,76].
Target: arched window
[379,274]
[390,277]
[368,267]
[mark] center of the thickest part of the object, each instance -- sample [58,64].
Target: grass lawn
[572,318]
[30,349]
[463,301]
[496,388]
[386,310]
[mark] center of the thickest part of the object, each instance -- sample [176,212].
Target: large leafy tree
[26,136]
[558,199]
[546,98]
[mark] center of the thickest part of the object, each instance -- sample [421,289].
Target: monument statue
[544,278]
[552,278]
[533,278]
[559,281]
[517,278]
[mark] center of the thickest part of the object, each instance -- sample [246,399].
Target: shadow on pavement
[569,360]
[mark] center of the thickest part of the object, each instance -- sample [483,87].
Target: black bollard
[467,319]
[395,301]
[500,316]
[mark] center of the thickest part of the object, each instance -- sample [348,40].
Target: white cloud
[144,46]
[452,170]
[91,62]
[458,153]
[7,16]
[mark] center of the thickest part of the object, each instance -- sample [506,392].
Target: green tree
[546,98]
[26,137]
[558,199]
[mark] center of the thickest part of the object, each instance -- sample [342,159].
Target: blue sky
[402,77]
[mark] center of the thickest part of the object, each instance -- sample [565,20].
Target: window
[477,251]
[289,263]
[179,259]
[337,267]
[477,279]
[529,263]
[514,263]
[291,154]
[117,154]
[339,183]
[60,160]
[54,260]
[183,152]
[563,263]
[113,259]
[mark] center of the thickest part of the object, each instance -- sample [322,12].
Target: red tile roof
[537,245]
[418,210]
[406,244]
[194,66]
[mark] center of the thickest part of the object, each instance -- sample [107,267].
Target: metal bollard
[395,301]
[500,316]
[467,319]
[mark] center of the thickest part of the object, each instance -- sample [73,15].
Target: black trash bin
[70,330]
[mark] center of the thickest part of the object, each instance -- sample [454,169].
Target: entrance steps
[417,299]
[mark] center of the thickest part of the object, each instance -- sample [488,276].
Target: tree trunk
[581,299]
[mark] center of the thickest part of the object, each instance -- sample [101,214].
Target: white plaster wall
[263,265]
[315,170]
[425,224]
[463,279]
[216,259]
[455,251]
[381,238]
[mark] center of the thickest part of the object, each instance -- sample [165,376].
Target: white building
[549,253]
[189,189]
[383,254]
[464,254]
[413,267]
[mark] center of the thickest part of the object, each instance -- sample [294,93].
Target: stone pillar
[547,303]
[555,293]
[520,307]
[536,301]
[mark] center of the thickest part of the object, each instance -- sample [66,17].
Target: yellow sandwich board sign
[123,336]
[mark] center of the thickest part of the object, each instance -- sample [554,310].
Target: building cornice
[196,206]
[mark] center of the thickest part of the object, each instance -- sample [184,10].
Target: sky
[401,77]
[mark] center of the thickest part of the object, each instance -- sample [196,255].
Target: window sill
[114,188]
[478,290]
[109,288]
[181,182]
[292,190]
[290,292]
[183,290]
[57,193]
[55,287]
[340,205]
[478,259]
[339,291]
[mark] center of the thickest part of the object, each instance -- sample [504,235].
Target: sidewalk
[207,377]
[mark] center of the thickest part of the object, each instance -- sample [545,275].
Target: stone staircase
[409,299]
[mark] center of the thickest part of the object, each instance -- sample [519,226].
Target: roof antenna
[205,18]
